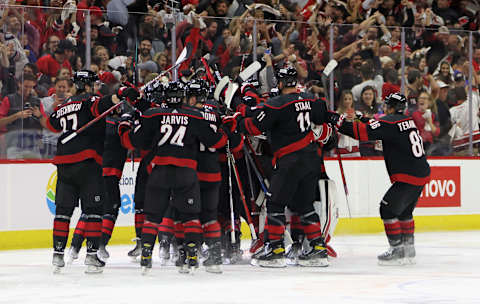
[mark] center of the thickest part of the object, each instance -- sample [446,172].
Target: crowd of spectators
[43,41]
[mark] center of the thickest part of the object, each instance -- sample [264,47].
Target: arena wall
[449,202]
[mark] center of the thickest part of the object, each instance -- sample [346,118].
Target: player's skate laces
[72,255]
[273,255]
[393,256]
[214,260]
[137,251]
[103,253]
[58,262]
[146,259]
[94,264]
[192,257]
[164,251]
[316,257]
[181,262]
[293,253]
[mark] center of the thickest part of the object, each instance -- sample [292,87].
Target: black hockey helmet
[174,93]
[287,75]
[274,92]
[84,77]
[396,101]
[155,92]
[198,88]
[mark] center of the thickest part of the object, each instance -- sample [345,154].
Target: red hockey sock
[166,227]
[393,231]
[313,231]
[93,231]
[61,226]
[139,219]
[149,232]
[179,234]
[193,231]
[211,232]
[408,229]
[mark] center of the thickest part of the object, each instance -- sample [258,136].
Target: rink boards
[449,202]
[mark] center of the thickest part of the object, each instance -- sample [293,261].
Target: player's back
[403,148]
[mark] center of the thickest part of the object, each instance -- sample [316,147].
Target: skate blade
[214,269]
[292,262]
[410,261]
[254,262]
[146,270]
[397,262]
[277,263]
[91,269]
[70,260]
[183,269]
[57,269]
[314,263]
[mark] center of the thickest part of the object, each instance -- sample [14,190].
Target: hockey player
[114,157]
[79,168]
[287,120]
[407,167]
[174,133]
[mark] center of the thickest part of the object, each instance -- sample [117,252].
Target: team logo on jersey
[51,190]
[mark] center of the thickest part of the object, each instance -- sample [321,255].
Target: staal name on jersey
[302,106]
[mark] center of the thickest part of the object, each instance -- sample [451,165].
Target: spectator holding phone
[347,146]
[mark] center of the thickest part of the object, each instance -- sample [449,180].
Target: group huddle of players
[203,166]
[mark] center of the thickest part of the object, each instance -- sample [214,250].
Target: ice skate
[316,257]
[192,257]
[293,253]
[72,255]
[181,262]
[58,262]
[103,254]
[146,259]
[94,264]
[394,256]
[213,263]
[232,254]
[409,250]
[164,251]
[273,255]
[137,251]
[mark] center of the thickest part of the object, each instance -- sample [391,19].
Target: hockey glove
[335,119]
[322,133]
[126,123]
[130,94]
[231,121]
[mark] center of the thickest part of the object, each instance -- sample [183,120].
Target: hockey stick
[242,195]
[263,181]
[340,164]
[91,122]
[184,55]
[230,192]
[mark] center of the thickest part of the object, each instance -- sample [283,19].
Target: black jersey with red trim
[114,154]
[402,146]
[72,115]
[174,134]
[208,158]
[286,120]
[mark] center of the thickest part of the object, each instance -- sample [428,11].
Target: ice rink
[447,271]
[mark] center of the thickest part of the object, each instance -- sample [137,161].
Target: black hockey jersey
[402,146]
[72,115]
[114,154]
[208,158]
[174,134]
[287,120]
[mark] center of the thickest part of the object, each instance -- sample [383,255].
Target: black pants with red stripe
[293,184]
[78,181]
[179,187]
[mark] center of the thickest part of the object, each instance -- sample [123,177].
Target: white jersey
[460,116]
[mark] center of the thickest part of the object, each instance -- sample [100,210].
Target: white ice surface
[447,271]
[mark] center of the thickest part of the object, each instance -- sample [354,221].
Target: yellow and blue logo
[51,190]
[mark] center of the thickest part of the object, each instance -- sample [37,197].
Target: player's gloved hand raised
[130,94]
[231,121]
[323,132]
[335,119]
[126,123]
